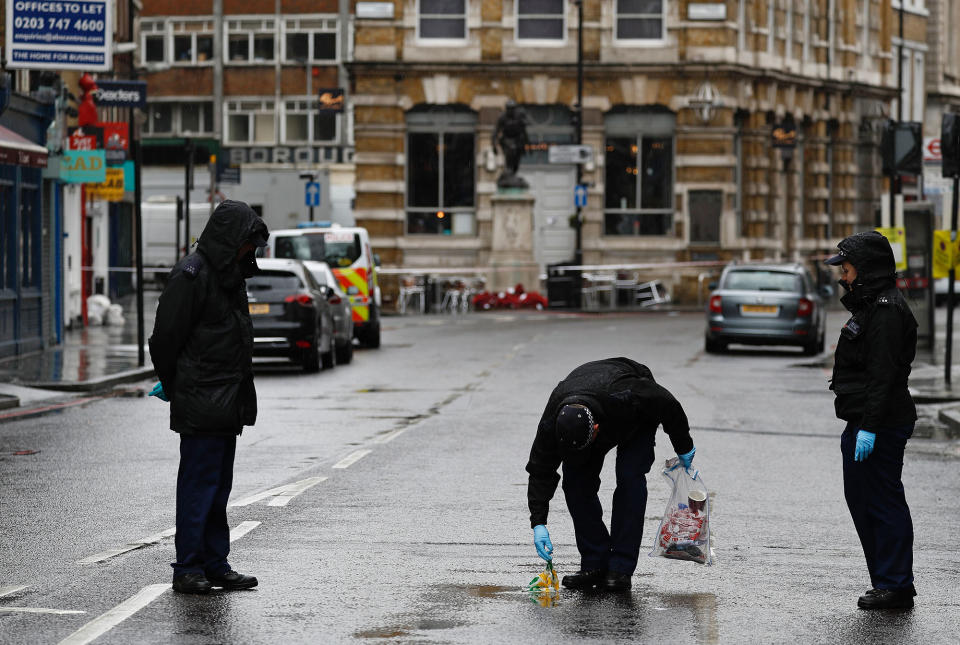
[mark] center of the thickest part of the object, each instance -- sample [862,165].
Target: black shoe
[617,581]
[887,599]
[191,583]
[232,580]
[584,579]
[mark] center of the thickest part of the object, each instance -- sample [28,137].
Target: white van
[346,249]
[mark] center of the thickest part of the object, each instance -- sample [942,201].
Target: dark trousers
[877,504]
[618,549]
[203,487]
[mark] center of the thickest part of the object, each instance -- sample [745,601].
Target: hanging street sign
[111,189]
[83,166]
[120,94]
[570,154]
[312,193]
[75,35]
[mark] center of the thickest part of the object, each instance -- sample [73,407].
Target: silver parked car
[340,307]
[767,304]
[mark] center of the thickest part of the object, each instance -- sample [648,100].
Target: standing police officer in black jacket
[201,347]
[871,367]
[602,404]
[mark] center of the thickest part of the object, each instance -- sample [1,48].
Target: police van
[346,249]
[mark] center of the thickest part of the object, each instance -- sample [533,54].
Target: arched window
[441,170]
[638,187]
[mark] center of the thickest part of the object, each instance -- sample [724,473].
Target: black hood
[231,224]
[871,255]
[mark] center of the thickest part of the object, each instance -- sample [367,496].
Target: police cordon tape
[582,267]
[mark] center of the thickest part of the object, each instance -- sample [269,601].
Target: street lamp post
[578,249]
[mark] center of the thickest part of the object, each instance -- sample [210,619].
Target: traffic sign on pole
[580,195]
[312,194]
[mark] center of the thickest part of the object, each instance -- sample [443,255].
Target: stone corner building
[679,107]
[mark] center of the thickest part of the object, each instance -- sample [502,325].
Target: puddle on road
[401,631]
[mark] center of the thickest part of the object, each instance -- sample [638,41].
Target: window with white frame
[919,89]
[442,19]
[310,40]
[250,122]
[250,41]
[179,118]
[192,41]
[541,20]
[304,123]
[153,41]
[640,20]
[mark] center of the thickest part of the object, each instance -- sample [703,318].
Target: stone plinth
[511,254]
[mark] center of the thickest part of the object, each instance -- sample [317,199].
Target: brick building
[680,102]
[241,79]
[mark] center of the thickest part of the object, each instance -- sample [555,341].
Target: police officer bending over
[201,347]
[874,353]
[602,404]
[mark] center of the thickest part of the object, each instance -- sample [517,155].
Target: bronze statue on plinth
[511,133]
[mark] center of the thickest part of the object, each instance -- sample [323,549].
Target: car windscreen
[342,249]
[762,281]
[320,276]
[299,247]
[274,281]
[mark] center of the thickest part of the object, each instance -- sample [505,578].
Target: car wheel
[371,336]
[822,343]
[345,352]
[714,346]
[329,358]
[811,348]
[311,357]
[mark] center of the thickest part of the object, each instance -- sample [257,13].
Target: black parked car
[767,304]
[291,315]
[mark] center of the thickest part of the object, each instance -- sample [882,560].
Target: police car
[346,249]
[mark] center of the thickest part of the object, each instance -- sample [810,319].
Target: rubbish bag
[545,588]
[684,532]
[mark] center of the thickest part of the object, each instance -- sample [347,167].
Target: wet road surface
[385,501]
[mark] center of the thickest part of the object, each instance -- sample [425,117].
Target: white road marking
[131,546]
[352,458]
[41,610]
[295,489]
[390,436]
[285,492]
[242,529]
[107,621]
[9,590]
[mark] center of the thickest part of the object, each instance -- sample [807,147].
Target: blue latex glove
[687,458]
[541,540]
[157,391]
[864,445]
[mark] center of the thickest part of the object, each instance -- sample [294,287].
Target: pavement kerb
[8,401]
[97,384]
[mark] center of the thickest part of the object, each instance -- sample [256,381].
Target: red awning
[19,151]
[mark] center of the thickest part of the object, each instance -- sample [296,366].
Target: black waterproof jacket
[202,339]
[877,344]
[625,401]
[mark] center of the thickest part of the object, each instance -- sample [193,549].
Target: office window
[7,223]
[192,41]
[159,119]
[196,118]
[250,122]
[442,19]
[303,123]
[250,41]
[153,41]
[30,235]
[639,20]
[441,173]
[311,39]
[540,19]
[638,189]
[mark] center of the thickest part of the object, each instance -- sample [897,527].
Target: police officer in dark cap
[601,405]
[872,364]
[201,347]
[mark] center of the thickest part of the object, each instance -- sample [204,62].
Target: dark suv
[767,304]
